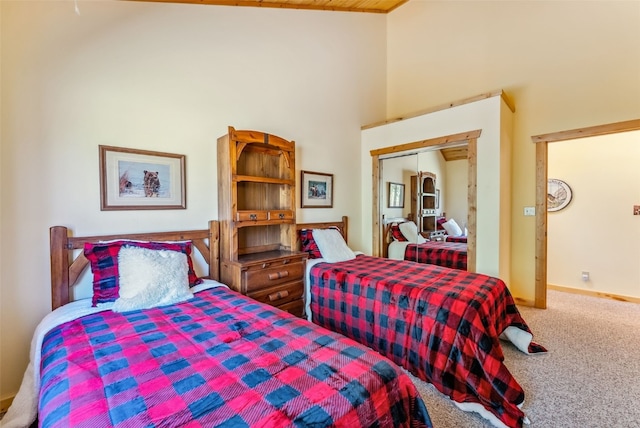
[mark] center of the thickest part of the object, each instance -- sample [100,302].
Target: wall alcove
[485,123]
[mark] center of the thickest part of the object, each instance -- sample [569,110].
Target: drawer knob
[253,216]
[279,295]
[281,215]
[278,275]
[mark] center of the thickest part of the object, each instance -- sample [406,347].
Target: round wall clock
[558,194]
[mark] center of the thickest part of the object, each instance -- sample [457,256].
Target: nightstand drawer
[281,215]
[252,215]
[279,295]
[273,273]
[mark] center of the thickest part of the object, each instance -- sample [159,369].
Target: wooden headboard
[342,226]
[67,268]
[386,232]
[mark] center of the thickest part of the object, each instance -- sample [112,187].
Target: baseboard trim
[5,403]
[611,296]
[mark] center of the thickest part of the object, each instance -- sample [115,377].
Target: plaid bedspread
[221,360]
[448,254]
[441,324]
[462,239]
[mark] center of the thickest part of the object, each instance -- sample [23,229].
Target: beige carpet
[589,378]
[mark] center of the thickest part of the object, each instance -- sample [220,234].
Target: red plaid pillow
[396,233]
[308,244]
[103,257]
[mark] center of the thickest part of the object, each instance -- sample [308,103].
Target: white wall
[163,77]
[565,64]
[597,232]
[493,176]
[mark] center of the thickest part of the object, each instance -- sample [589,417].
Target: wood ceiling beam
[366,6]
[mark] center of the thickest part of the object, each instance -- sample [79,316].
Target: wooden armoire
[257,214]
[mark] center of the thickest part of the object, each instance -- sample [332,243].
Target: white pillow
[410,231]
[332,246]
[452,227]
[150,278]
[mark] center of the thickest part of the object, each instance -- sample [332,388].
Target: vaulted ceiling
[368,6]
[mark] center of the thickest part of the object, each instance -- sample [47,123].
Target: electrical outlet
[585,276]
[529,211]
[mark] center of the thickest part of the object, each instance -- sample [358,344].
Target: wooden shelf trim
[254,179]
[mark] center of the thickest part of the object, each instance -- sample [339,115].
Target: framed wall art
[133,179]
[558,194]
[396,195]
[316,190]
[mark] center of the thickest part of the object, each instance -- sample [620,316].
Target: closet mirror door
[451,192]
[397,199]
[445,186]
[443,202]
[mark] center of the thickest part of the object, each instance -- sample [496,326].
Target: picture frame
[396,195]
[132,179]
[316,190]
[559,194]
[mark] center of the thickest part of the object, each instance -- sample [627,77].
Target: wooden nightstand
[273,277]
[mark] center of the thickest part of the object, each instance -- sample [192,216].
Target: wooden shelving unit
[423,202]
[256,209]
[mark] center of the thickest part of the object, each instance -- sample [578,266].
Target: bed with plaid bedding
[219,359]
[441,324]
[448,254]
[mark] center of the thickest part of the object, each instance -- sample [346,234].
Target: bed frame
[342,226]
[66,267]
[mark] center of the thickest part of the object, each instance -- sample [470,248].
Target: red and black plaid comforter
[448,254]
[441,324]
[221,360]
[462,239]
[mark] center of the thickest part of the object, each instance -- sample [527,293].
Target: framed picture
[133,179]
[558,194]
[316,190]
[396,195]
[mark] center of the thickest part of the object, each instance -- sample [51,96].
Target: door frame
[541,142]
[471,139]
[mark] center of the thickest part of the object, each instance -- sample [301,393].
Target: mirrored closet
[401,148]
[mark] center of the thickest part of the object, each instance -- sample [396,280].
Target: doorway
[542,142]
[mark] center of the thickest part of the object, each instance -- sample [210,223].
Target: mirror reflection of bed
[403,242]
[436,179]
